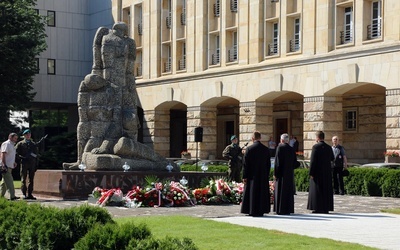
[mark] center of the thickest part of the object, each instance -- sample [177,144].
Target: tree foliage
[22,39]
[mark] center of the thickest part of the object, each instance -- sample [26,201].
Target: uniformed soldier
[27,154]
[233,153]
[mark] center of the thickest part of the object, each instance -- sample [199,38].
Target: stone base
[389,159]
[72,184]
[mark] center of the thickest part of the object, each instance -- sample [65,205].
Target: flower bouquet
[271,191]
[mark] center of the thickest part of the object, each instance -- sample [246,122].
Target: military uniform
[233,153]
[27,153]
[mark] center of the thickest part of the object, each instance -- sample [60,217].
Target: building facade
[68,59]
[296,66]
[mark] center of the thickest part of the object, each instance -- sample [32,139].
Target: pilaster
[321,113]
[255,116]
[392,119]
[205,117]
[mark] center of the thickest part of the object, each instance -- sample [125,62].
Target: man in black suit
[320,195]
[257,164]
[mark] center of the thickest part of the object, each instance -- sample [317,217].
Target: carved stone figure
[108,122]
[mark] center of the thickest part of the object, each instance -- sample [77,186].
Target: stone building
[296,66]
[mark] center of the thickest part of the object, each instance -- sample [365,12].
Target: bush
[128,236]
[33,226]
[391,184]
[361,181]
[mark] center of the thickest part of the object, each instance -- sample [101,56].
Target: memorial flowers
[173,194]
[391,154]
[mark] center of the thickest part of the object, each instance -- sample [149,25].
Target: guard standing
[27,154]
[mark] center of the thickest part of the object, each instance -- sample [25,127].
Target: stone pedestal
[389,159]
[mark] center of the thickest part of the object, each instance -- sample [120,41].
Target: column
[392,119]
[255,116]
[321,113]
[205,117]
[156,132]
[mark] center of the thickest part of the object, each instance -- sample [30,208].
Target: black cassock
[285,163]
[257,164]
[320,194]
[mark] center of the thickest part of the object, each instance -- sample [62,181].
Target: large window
[347,35]
[51,18]
[375,28]
[273,47]
[295,43]
[51,66]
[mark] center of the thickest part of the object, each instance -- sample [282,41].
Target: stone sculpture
[108,122]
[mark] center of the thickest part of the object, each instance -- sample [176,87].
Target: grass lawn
[17,184]
[207,234]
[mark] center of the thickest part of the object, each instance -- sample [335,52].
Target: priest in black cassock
[320,195]
[285,163]
[257,164]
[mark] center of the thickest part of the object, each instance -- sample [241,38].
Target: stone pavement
[356,219]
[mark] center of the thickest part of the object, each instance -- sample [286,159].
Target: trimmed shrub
[33,226]
[211,168]
[391,184]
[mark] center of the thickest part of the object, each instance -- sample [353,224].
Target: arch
[357,90]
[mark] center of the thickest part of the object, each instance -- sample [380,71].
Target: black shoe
[14,198]
[320,212]
[30,197]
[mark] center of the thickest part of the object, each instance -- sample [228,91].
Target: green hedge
[34,226]
[361,181]
[211,168]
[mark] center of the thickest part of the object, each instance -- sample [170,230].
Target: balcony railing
[374,31]
[168,21]
[140,29]
[346,36]
[234,5]
[182,63]
[215,58]
[183,17]
[233,55]
[294,45]
[217,9]
[273,49]
[167,65]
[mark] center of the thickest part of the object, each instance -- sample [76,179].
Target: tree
[22,39]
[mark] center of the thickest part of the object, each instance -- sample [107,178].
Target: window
[351,120]
[183,14]
[215,58]
[37,65]
[217,9]
[51,66]
[347,33]
[273,47]
[234,4]
[233,52]
[374,30]
[182,62]
[295,43]
[51,18]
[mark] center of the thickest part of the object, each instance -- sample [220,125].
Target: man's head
[320,136]
[27,134]
[256,136]
[13,137]
[234,139]
[284,138]
[335,140]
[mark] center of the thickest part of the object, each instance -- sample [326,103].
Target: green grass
[208,234]
[17,184]
[392,211]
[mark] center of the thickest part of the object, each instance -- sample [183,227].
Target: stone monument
[107,106]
